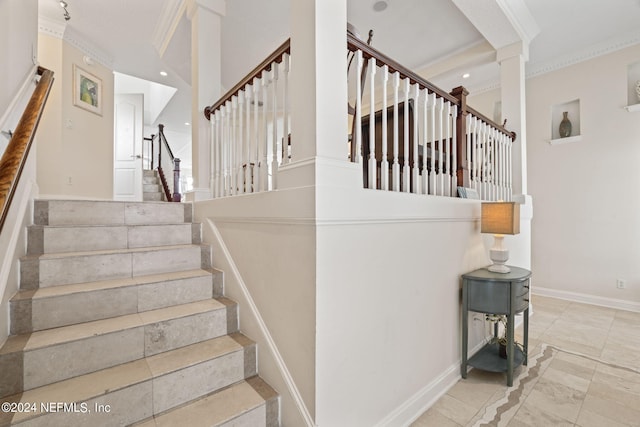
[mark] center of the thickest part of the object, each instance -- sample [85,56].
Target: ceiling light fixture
[380,5]
[187,124]
[64,5]
[163,73]
[466,75]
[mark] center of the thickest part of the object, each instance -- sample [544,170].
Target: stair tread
[216,408]
[63,334]
[58,255]
[60,290]
[88,386]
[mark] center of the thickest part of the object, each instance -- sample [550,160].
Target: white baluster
[406,173]
[425,140]
[285,124]
[384,172]
[273,158]
[432,174]
[510,169]
[256,137]
[415,170]
[454,152]
[485,162]
[447,150]
[372,166]
[248,141]
[440,182]
[395,168]
[358,127]
[234,145]
[214,142]
[264,168]
[240,142]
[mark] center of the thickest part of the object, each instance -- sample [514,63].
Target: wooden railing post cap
[161,127]
[207,112]
[459,91]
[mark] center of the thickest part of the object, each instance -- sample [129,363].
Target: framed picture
[87,90]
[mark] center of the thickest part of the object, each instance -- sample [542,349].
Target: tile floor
[584,371]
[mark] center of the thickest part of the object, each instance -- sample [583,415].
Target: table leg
[465,331]
[510,350]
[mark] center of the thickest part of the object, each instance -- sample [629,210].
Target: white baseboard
[417,404]
[587,299]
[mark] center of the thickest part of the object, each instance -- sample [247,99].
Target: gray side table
[496,293]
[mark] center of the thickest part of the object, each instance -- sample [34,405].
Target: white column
[318,94]
[206,84]
[512,78]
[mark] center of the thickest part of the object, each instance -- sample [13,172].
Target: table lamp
[500,218]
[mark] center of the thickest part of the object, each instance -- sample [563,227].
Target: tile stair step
[52,307]
[78,238]
[81,212]
[40,358]
[152,197]
[39,271]
[151,188]
[149,172]
[148,386]
[251,402]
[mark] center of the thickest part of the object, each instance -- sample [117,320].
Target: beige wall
[585,233]
[75,154]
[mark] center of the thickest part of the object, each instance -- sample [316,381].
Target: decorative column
[318,89]
[512,80]
[206,84]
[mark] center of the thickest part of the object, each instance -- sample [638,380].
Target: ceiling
[429,36]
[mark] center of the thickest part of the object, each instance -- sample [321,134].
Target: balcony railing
[407,134]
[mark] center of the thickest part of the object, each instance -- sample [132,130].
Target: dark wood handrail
[15,156]
[488,121]
[265,65]
[354,44]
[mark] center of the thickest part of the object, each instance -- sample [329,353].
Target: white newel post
[206,87]
[318,96]
[512,75]
[512,79]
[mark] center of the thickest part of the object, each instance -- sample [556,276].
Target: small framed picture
[87,90]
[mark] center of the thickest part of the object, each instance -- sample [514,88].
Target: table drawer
[493,297]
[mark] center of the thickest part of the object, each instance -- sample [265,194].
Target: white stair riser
[44,272]
[78,212]
[86,238]
[47,365]
[43,313]
[151,179]
[151,188]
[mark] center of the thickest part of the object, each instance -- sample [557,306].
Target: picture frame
[87,90]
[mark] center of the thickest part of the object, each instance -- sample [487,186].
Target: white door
[128,127]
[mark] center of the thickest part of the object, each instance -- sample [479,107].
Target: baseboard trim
[587,299]
[417,404]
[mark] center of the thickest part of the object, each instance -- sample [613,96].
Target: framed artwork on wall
[87,90]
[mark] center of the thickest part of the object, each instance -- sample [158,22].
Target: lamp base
[499,255]
[499,268]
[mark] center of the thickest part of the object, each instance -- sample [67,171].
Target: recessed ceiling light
[187,124]
[163,73]
[380,5]
[466,75]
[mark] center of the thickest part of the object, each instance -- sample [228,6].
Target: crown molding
[62,31]
[170,17]
[594,51]
[51,28]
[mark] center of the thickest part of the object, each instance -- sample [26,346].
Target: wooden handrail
[15,156]
[354,43]
[488,121]
[265,65]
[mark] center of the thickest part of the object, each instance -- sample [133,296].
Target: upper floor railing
[157,154]
[407,134]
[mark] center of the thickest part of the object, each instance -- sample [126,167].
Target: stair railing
[433,142]
[166,162]
[17,151]
[250,129]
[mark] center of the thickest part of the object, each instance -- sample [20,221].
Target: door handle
[137,156]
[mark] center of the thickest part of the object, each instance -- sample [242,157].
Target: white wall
[359,290]
[586,229]
[76,161]
[18,45]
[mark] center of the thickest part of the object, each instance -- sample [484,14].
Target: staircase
[151,186]
[120,320]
